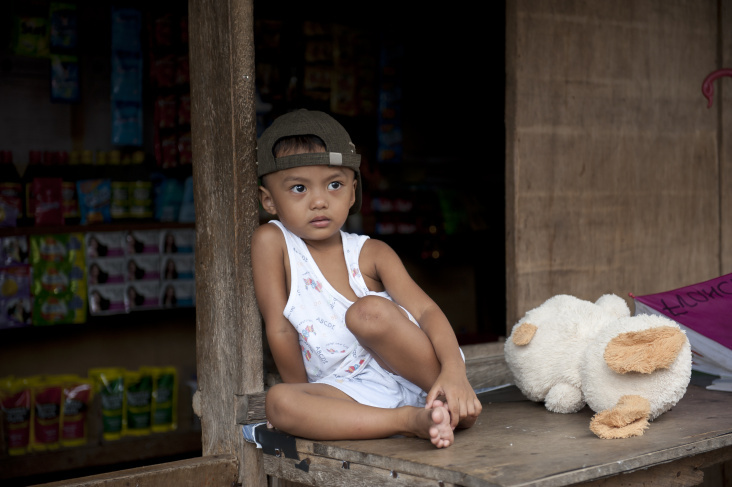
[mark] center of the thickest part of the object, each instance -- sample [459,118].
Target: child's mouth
[320,221]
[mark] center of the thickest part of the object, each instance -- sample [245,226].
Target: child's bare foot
[432,424]
[441,434]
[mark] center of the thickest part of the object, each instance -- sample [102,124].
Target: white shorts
[378,388]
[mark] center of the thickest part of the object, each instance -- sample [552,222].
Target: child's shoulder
[267,234]
[375,250]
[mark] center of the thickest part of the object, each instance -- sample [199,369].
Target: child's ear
[353,196]
[265,197]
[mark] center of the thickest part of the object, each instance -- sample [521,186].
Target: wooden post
[228,328]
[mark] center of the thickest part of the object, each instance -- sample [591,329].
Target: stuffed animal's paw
[628,418]
[564,398]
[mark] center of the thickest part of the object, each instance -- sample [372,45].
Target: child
[363,352]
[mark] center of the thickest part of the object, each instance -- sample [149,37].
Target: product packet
[95,200]
[16,405]
[138,402]
[142,295]
[109,386]
[76,404]
[58,281]
[177,294]
[107,299]
[47,398]
[178,266]
[141,199]
[46,201]
[105,244]
[164,398]
[142,242]
[177,241]
[14,250]
[106,270]
[15,296]
[143,267]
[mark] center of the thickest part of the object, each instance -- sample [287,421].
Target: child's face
[311,201]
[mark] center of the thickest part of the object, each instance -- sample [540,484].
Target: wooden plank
[683,472]
[229,348]
[612,173]
[210,471]
[129,449]
[509,446]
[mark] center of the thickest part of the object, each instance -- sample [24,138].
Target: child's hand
[460,399]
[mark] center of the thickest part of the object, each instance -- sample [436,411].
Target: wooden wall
[616,178]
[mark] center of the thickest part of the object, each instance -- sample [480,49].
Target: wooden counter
[517,442]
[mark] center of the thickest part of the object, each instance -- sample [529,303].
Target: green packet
[109,386]
[164,398]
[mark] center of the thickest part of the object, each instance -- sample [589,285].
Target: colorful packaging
[15,297]
[47,393]
[76,403]
[143,267]
[58,281]
[107,270]
[105,244]
[142,295]
[109,386]
[120,199]
[179,241]
[14,250]
[177,294]
[141,199]
[107,299]
[180,266]
[16,405]
[143,242]
[138,403]
[95,200]
[164,398]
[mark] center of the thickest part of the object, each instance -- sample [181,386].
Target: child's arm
[270,286]
[452,382]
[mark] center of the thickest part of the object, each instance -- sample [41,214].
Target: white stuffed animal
[569,352]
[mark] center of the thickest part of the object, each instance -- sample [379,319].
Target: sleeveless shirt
[318,311]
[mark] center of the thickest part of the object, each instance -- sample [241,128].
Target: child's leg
[396,343]
[322,412]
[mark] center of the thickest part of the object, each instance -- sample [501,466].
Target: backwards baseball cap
[339,150]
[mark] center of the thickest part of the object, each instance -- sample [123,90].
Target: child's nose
[319,200]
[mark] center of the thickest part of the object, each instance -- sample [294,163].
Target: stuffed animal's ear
[523,334]
[644,351]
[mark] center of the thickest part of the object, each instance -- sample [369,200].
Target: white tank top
[318,311]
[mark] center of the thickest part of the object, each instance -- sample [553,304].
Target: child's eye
[298,188]
[335,185]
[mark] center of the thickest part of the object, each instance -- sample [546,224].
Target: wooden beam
[223,121]
[210,471]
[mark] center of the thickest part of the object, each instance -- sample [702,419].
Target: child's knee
[367,317]
[275,403]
